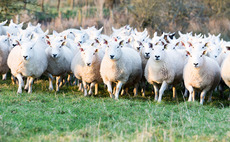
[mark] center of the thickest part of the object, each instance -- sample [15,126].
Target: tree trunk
[72,4]
[58,5]
[42,6]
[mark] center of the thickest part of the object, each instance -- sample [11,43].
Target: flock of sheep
[127,58]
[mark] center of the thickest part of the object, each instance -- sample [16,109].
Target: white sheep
[26,60]
[59,61]
[86,66]
[120,65]
[164,67]
[201,73]
[225,72]
[4,52]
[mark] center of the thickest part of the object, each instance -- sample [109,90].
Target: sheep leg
[210,96]
[156,91]
[50,82]
[31,80]
[114,89]
[174,92]
[109,86]
[91,88]
[135,89]
[27,83]
[193,96]
[185,93]
[202,96]
[118,88]
[58,80]
[191,91]
[13,79]
[122,91]
[96,88]
[143,86]
[85,88]
[20,83]
[4,76]
[164,85]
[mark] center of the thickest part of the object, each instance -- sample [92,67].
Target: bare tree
[58,5]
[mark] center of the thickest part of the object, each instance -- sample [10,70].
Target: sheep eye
[20,39]
[200,55]
[163,49]
[93,53]
[15,26]
[5,39]
[117,46]
[59,46]
[61,40]
[31,47]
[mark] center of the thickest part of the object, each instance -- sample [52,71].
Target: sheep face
[4,41]
[197,57]
[113,50]
[15,26]
[14,40]
[81,38]
[27,50]
[137,45]
[56,49]
[148,48]
[88,55]
[158,53]
[214,50]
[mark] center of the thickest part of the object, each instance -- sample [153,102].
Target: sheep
[201,73]
[86,66]
[59,61]
[225,73]
[164,67]
[121,65]
[26,60]
[4,52]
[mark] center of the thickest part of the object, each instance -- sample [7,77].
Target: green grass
[68,116]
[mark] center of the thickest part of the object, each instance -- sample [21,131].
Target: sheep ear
[18,42]
[96,50]
[48,42]
[8,35]
[190,44]
[150,45]
[65,37]
[92,44]
[165,46]
[81,49]
[206,44]
[79,44]
[121,42]
[21,24]
[188,53]
[204,52]
[140,44]
[182,43]
[105,42]
[47,37]
[63,43]
[46,32]
[97,41]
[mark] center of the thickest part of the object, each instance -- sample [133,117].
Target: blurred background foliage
[156,15]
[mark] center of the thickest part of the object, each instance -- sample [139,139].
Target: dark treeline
[156,15]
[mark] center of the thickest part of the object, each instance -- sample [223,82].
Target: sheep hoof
[19,91]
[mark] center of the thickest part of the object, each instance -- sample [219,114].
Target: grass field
[68,116]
